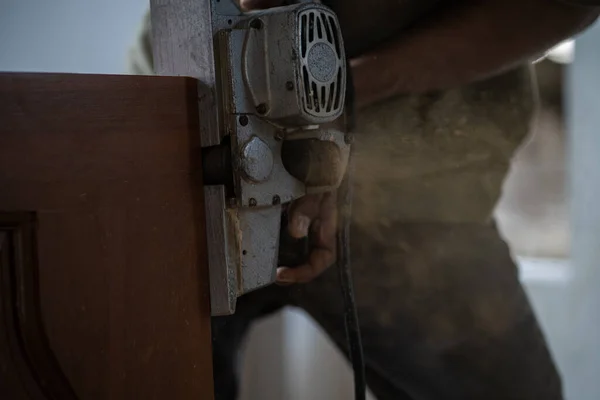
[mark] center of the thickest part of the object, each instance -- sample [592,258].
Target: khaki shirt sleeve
[139,60]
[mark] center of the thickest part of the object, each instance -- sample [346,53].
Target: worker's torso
[439,157]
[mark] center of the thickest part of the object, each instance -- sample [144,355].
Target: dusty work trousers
[442,312]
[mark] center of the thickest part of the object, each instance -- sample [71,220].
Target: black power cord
[355,350]
[345,194]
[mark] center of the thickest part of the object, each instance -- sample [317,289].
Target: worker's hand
[315,214]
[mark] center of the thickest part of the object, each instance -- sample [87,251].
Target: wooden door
[103,269]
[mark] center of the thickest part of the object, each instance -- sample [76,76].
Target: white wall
[582,360]
[90,36]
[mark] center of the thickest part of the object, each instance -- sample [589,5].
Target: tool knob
[316,163]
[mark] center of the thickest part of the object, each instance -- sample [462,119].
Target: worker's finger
[323,255]
[301,214]
[319,260]
[248,5]
[326,229]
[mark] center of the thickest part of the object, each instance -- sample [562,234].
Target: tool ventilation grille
[322,63]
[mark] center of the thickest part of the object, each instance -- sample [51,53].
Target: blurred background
[549,212]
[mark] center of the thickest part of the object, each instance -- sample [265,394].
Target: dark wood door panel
[106,167]
[31,370]
[15,378]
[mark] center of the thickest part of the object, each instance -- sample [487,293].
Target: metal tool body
[271,87]
[281,77]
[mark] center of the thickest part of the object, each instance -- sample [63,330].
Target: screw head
[252,202]
[256,24]
[289,85]
[276,200]
[261,108]
[256,160]
[348,138]
[243,120]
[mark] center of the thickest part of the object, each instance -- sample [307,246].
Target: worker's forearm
[463,44]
